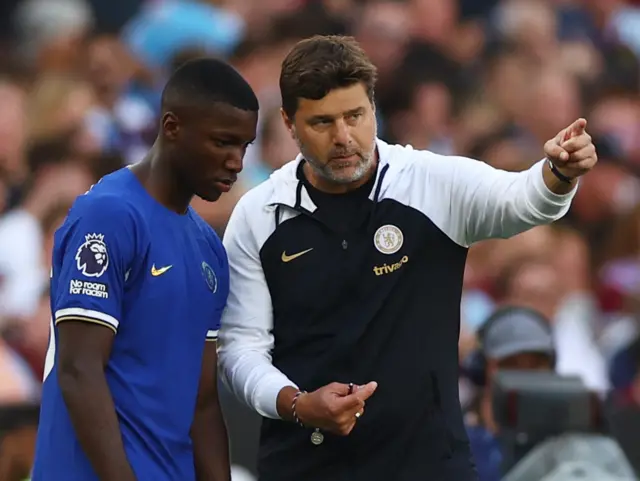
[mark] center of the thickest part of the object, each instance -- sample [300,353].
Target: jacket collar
[286,183]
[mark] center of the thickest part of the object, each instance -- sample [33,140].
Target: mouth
[224,185]
[345,158]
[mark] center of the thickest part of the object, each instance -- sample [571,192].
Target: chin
[348,175]
[211,196]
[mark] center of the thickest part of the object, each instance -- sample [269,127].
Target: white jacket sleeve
[474,201]
[245,339]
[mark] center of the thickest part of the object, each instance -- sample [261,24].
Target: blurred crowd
[490,79]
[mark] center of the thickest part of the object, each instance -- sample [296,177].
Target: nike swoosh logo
[286,258]
[158,272]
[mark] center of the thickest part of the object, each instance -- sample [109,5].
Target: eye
[354,116]
[221,143]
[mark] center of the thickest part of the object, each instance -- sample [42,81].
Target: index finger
[575,129]
[357,398]
[348,403]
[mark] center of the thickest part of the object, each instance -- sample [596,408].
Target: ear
[170,126]
[288,122]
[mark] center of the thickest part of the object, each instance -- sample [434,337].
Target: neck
[331,187]
[156,175]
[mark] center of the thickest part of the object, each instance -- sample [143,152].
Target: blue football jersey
[159,280]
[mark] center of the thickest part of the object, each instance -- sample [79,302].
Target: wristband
[293,407]
[559,175]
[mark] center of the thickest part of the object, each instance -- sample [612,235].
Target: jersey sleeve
[223,293]
[471,201]
[93,258]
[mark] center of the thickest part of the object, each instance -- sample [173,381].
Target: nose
[233,162]
[341,133]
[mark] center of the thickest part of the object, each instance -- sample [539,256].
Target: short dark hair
[205,80]
[322,63]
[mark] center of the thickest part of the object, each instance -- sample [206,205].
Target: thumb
[575,129]
[356,399]
[365,392]
[555,152]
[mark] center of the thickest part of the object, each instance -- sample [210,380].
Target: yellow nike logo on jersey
[286,258]
[158,272]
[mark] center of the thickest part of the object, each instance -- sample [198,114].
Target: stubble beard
[337,176]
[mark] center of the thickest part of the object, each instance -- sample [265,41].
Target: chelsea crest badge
[210,277]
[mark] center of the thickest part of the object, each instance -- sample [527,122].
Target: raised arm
[245,339]
[477,202]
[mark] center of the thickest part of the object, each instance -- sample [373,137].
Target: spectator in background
[514,338]
[18,384]
[625,373]
[276,145]
[30,337]
[123,120]
[17,450]
[162,29]
[57,109]
[13,131]
[556,287]
[50,31]
[56,178]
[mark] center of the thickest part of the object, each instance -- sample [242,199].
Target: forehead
[336,102]
[223,118]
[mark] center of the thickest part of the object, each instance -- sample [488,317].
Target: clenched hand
[331,408]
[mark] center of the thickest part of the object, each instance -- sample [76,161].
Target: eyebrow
[321,118]
[230,137]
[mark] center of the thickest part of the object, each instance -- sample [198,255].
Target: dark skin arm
[83,353]
[209,432]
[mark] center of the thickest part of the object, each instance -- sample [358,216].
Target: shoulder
[206,230]
[405,163]
[279,188]
[256,207]
[255,200]
[112,219]
[253,218]
[411,169]
[107,206]
[406,157]
[411,161]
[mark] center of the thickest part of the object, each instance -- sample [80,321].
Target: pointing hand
[572,150]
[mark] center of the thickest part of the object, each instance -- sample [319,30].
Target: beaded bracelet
[293,407]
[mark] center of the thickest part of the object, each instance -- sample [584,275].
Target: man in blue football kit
[138,285]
